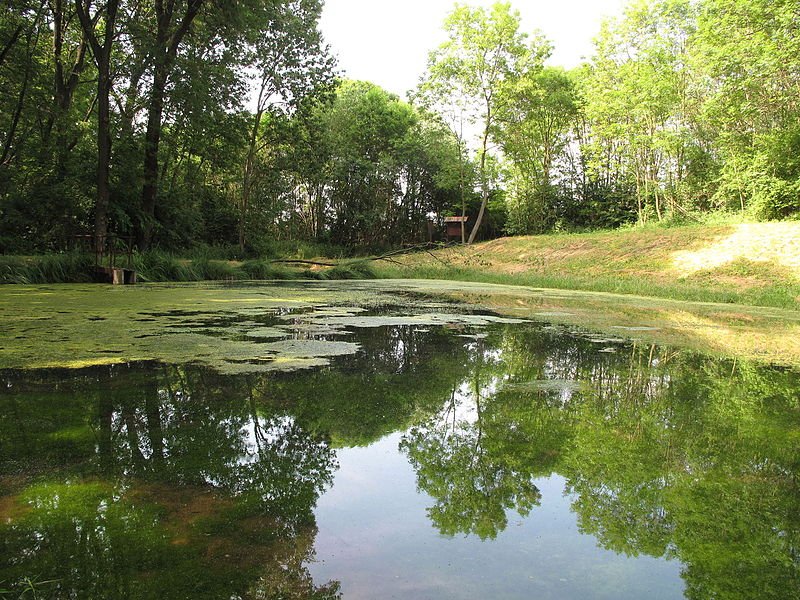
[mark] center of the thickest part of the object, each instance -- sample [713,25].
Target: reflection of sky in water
[375,537]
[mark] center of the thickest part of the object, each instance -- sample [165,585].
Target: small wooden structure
[453,227]
[106,251]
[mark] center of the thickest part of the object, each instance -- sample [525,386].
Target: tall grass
[159,266]
[72,267]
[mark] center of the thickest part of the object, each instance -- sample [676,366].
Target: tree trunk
[151,143]
[165,49]
[484,183]
[103,154]
[10,44]
[102,57]
[248,175]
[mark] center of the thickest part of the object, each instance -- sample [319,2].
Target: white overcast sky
[387,41]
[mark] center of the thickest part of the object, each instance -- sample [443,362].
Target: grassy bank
[756,264]
[161,267]
[747,263]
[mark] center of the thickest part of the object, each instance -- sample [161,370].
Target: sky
[387,41]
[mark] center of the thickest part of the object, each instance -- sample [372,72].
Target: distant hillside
[748,263]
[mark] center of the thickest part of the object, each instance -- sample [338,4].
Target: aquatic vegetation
[234,327]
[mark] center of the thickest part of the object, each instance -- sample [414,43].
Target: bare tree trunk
[102,57]
[484,183]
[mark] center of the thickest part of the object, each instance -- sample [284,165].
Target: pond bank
[163,267]
[753,264]
[757,264]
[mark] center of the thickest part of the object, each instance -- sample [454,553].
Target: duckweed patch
[250,327]
[232,328]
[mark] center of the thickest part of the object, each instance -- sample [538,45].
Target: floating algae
[210,323]
[425,319]
[233,329]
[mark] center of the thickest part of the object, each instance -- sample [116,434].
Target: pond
[350,441]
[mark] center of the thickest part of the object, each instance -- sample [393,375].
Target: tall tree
[484,49]
[173,18]
[638,101]
[291,61]
[100,29]
[750,52]
[535,118]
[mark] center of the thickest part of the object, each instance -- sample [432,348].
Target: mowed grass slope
[746,263]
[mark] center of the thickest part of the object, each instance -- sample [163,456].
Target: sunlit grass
[772,244]
[755,264]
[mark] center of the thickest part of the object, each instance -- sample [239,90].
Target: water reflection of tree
[665,453]
[707,472]
[206,482]
[461,457]
[400,375]
[176,483]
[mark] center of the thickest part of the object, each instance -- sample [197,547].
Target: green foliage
[685,108]
[362,171]
[484,53]
[538,110]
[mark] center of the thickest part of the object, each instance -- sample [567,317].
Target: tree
[292,62]
[638,103]
[172,23]
[750,52]
[484,50]
[100,29]
[538,110]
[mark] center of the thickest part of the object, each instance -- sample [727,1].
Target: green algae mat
[258,327]
[232,328]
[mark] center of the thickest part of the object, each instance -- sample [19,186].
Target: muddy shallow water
[320,442]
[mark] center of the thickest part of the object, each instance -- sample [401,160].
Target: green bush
[353,270]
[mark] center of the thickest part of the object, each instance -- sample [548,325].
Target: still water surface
[502,460]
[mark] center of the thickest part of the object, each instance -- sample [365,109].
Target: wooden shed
[452,227]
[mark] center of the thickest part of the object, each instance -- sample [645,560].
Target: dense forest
[193,123]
